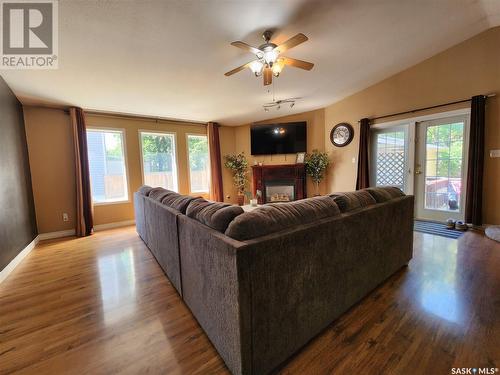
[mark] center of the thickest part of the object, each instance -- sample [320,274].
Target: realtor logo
[29,34]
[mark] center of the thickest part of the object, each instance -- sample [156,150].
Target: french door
[440,168]
[426,158]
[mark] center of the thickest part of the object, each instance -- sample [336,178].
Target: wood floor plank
[102,305]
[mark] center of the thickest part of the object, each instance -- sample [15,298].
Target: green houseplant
[238,165]
[316,164]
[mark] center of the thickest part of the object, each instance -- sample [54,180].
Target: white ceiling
[168,58]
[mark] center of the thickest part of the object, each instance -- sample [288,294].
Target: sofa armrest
[216,288]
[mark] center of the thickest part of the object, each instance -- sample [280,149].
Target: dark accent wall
[17,210]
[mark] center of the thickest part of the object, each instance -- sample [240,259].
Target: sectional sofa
[263,283]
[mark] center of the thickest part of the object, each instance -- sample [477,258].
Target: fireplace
[279,183]
[279,191]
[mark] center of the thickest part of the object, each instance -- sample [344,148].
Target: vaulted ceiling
[168,58]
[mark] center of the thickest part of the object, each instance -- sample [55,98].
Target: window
[199,166]
[159,165]
[108,174]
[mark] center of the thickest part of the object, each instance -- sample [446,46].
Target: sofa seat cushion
[145,190]
[385,193]
[216,215]
[275,217]
[353,200]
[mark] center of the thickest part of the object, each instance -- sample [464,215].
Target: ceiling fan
[269,61]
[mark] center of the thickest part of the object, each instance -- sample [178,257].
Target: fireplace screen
[280,192]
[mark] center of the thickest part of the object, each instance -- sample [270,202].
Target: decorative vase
[241,199]
[316,187]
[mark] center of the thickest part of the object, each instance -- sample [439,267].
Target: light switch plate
[494,153]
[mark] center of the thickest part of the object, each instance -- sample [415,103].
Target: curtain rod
[65,109]
[427,108]
[142,117]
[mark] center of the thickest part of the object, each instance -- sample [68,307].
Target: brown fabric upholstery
[145,190]
[177,201]
[278,216]
[213,214]
[158,193]
[385,193]
[353,200]
[261,300]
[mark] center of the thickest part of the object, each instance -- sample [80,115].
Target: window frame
[125,160]
[204,192]
[159,132]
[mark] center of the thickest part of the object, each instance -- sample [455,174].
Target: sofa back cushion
[353,200]
[216,215]
[275,217]
[145,190]
[158,193]
[384,193]
[177,201]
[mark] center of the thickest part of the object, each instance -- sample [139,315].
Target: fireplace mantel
[294,174]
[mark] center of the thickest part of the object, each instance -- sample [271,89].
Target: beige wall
[467,69]
[315,133]
[470,68]
[50,147]
[227,146]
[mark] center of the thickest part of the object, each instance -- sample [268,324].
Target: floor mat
[439,229]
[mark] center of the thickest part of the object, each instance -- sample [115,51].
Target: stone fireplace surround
[267,178]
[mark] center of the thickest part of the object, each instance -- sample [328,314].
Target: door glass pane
[390,159]
[158,160]
[199,167]
[443,166]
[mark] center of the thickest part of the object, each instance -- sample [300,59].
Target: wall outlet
[65,216]
[494,153]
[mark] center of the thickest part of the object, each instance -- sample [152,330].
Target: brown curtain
[363,179]
[83,219]
[474,193]
[216,192]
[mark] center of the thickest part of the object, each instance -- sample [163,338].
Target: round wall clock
[342,134]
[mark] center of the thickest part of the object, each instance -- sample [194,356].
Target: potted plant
[238,165]
[316,165]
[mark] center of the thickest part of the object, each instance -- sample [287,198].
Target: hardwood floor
[101,305]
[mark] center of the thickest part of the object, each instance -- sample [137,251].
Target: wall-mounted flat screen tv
[284,138]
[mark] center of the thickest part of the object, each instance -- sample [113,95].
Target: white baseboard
[51,235]
[59,234]
[117,224]
[19,257]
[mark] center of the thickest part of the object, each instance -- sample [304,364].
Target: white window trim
[189,168]
[176,155]
[125,159]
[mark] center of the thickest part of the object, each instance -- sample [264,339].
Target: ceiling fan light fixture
[257,67]
[270,56]
[278,67]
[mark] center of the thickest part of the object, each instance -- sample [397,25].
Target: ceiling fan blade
[297,63]
[292,42]
[248,48]
[268,76]
[238,69]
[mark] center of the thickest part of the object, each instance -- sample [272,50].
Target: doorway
[427,157]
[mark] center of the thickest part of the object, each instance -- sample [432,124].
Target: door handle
[418,172]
